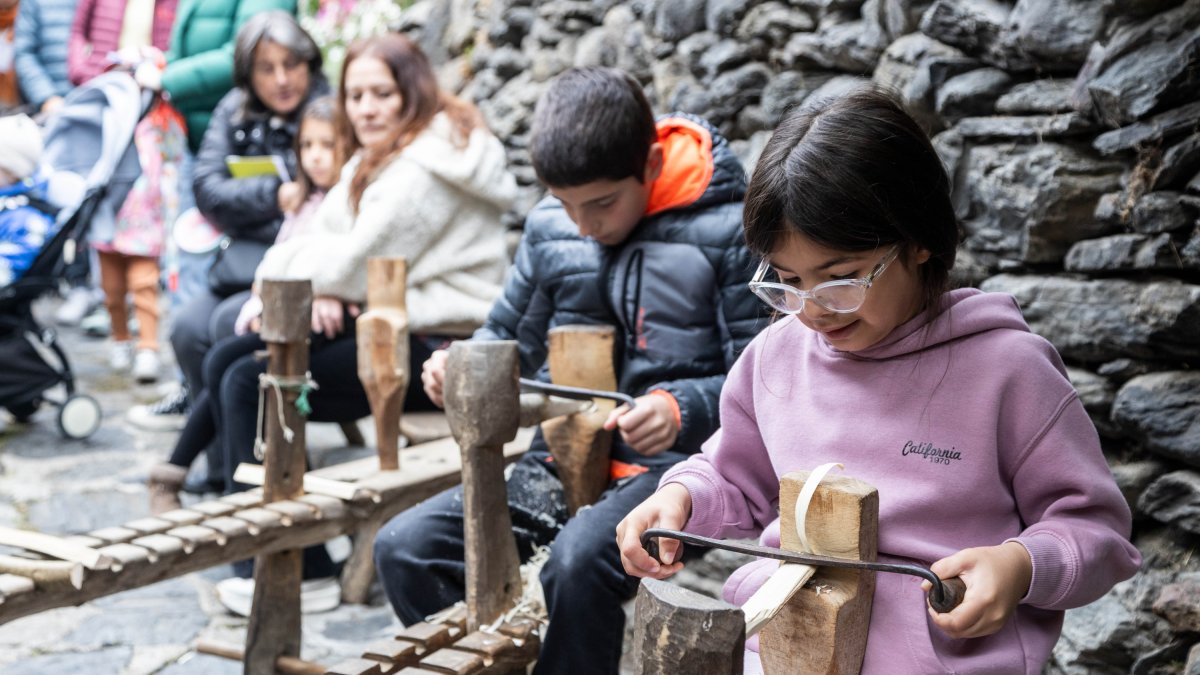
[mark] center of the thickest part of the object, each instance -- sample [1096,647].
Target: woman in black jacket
[277,70]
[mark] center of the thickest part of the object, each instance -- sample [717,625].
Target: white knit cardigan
[437,205]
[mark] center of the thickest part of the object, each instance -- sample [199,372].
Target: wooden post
[482,407]
[582,356]
[383,369]
[274,629]
[383,353]
[679,631]
[823,628]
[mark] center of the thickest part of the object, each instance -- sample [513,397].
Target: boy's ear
[654,163]
[920,255]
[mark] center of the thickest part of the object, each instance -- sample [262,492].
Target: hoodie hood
[964,312]
[699,169]
[480,168]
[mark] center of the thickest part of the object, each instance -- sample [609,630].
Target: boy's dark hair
[854,173]
[591,124]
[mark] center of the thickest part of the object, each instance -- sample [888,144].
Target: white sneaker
[120,356]
[316,595]
[168,414]
[79,301]
[145,366]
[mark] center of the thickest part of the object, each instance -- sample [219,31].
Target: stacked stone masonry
[1071,131]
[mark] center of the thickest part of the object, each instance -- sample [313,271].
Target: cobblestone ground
[65,487]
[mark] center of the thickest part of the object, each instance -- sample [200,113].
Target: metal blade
[577,393]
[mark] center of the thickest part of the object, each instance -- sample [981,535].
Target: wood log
[382,334]
[823,628]
[274,629]
[47,574]
[582,356]
[680,631]
[482,405]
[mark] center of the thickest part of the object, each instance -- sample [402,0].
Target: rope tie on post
[268,382]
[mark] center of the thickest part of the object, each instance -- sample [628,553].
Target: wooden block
[230,528]
[214,508]
[195,536]
[519,629]
[296,513]
[826,632]
[161,547]
[144,526]
[680,631]
[115,535]
[326,507]
[11,585]
[430,636]
[490,646]
[86,540]
[244,500]
[355,667]
[263,519]
[183,516]
[395,652]
[454,615]
[450,660]
[126,556]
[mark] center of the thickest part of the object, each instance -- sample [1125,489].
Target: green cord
[302,404]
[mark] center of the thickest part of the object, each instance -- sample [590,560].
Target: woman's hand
[670,508]
[433,376]
[148,76]
[327,313]
[997,577]
[649,428]
[290,197]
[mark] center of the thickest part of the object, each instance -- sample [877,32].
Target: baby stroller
[88,151]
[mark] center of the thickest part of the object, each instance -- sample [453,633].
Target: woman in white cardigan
[427,181]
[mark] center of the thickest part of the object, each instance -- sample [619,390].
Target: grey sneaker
[168,414]
[79,301]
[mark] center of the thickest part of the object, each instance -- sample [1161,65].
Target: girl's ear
[919,255]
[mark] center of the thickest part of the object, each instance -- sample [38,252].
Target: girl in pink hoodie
[987,466]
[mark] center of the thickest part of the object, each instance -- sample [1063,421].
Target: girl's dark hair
[323,109]
[420,97]
[281,28]
[854,173]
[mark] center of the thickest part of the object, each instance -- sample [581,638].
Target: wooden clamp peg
[582,356]
[383,353]
[274,629]
[680,631]
[823,628]
[482,407]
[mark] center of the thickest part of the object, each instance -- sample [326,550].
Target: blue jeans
[419,556]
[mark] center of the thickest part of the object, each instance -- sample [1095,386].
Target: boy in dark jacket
[642,231]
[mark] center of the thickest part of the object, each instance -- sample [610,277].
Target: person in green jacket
[199,67]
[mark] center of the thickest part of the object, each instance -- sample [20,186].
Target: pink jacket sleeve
[82,62]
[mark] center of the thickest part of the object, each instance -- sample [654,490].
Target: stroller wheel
[23,411]
[79,416]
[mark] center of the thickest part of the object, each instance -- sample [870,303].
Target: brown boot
[165,481]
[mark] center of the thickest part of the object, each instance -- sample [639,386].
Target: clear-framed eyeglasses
[841,295]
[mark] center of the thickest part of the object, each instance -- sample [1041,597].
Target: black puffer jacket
[246,207]
[675,290]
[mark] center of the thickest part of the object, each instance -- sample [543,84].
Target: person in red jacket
[118,33]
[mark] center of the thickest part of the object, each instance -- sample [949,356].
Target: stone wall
[1070,129]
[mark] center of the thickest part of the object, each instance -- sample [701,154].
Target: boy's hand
[997,577]
[649,428]
[670,507]
[433,376]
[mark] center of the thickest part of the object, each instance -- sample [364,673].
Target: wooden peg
[823,628]
[582,356]
[482,407]
[383,365]
[274,629]
[680,631]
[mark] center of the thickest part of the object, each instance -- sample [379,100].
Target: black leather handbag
[233,266]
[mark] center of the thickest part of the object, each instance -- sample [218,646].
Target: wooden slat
[262,519]
[326,507]
[55,547]
[231,528]
[144,526]
[355,667]
[214,508]
[430,636]
[86,540]
[162,547]
[115,535]
[196,536]
[296,512]
[244,500]
[395,652]
[11,585]
[126,555]
[450,660]
[183,516]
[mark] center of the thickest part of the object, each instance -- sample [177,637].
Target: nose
[281,76]
[813,309]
